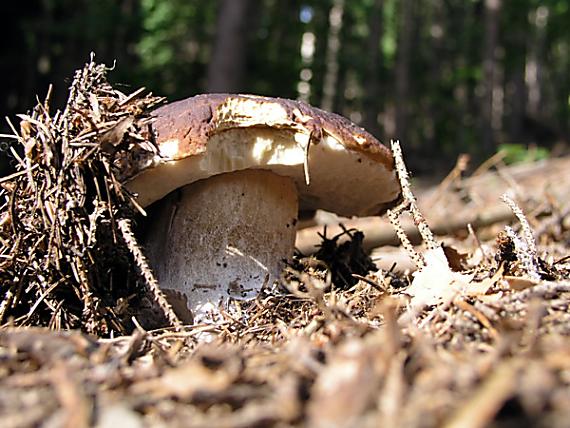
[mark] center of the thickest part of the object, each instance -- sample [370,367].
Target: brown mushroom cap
[351,172]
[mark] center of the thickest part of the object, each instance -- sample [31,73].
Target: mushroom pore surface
[223,237]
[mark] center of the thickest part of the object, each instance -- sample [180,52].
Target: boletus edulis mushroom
[232,174]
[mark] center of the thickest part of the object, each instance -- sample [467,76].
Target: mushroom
[231,175]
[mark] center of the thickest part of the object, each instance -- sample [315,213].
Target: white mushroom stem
[223,237]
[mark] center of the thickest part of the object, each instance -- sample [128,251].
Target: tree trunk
[433,19]
[228,62]
[535,63]
[492,8]
[516,88]
[331,61]
[372,95]
[403,68]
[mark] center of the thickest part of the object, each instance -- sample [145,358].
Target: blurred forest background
[444,76]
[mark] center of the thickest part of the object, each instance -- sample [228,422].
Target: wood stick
[378,231]
[451,215]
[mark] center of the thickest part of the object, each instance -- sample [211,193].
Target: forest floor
[494,352]
[472,329]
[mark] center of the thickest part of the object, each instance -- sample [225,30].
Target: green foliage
[174,45]
[519,153]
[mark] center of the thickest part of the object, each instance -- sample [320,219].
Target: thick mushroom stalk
[223,237]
